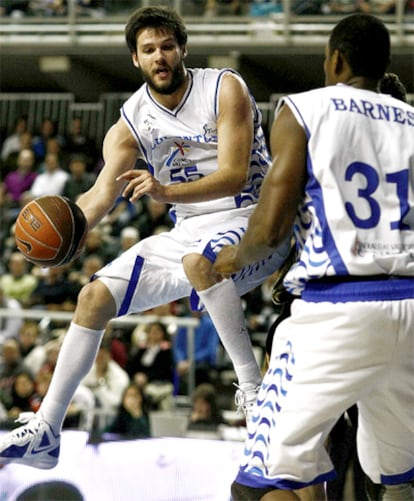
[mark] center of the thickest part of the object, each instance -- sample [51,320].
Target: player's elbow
[236,184]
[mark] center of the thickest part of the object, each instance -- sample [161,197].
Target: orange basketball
[51,231]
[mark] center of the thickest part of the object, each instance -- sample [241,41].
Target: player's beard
[178,78]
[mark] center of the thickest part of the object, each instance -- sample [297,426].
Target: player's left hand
[226,262]
[141,182]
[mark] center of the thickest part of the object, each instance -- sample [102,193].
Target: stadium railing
[276,29]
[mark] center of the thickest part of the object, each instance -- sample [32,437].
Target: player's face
[160,60]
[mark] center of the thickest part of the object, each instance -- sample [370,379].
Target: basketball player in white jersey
[200,134]
[343,172]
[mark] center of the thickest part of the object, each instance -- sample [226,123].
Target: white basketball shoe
[33,444]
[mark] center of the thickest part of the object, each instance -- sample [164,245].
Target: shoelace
[24,418]
[240,398]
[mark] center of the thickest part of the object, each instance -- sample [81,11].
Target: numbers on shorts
[184,175]
[372,180]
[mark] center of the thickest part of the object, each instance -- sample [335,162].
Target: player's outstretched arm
[120,152]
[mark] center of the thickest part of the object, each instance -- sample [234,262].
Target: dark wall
[91,74]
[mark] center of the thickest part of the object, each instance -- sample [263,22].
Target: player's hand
[226,262]
[141,182]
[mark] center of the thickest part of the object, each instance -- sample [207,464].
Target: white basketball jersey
[357,217]
[180,145]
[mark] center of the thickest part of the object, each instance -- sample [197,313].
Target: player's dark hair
[392,85]
[364,41]
[154,17]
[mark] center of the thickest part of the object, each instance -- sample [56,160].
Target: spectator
[91,264]
[376,7]
[92,8]
[12,143]
[154,214]
[10,164]
[152,366]
[79,143]
[106,379]
[52,180]
[48,7]
[223,8]
[15,8]
[118,345]
[4,227]
[129,237]
[79,409]
[10,325]
[99,244]
[79,179]
[23,395]
[121,215]
[18,283]
[48,129]
[131,419]
[54,291]
[32,351]
[307,7]
[21,179]
[54,145]
[52,349]
[340,7]
[10,365]
[206,343]
[205,413]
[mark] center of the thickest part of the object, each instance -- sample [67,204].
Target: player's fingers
[226,262]
[144,187]
[132,174]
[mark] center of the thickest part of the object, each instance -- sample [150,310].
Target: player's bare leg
[95,307]
[311,493]
[222,302]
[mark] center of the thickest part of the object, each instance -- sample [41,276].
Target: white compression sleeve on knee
[76,357]
[223,304]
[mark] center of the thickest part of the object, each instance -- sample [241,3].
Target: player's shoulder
[212,74]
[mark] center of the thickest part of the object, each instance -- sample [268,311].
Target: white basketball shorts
[326,357]
[151,274]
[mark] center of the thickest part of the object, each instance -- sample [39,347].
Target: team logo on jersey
[181,149]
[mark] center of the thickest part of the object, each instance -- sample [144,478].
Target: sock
[76,357]
[223,304]
[401,492]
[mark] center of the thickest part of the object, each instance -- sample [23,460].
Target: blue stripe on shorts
[401,478]
[136,273]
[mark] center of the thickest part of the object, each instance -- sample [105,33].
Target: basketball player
[200,134]
[343,170]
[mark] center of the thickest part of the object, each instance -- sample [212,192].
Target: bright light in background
[49,64]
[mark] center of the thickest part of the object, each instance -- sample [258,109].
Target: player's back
[358,217]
